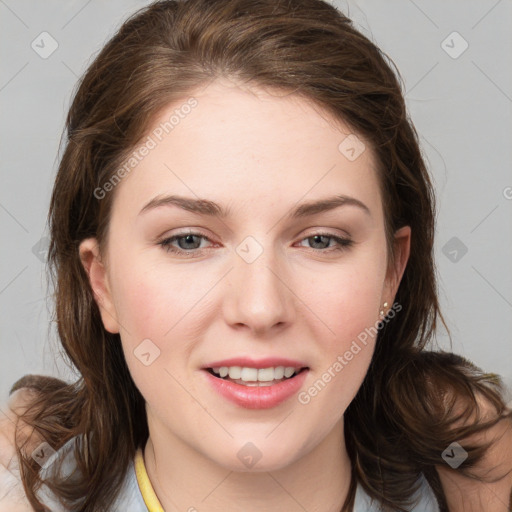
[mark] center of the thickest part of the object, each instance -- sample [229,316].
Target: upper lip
[248,362]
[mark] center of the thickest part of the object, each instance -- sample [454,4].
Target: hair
[162,54]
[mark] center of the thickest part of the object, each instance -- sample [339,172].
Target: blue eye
[189,243]
[342,242]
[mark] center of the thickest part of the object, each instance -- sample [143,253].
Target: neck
[184,479]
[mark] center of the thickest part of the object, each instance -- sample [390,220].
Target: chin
[258,457]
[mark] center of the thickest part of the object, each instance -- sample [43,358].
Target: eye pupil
[317,239]
[189,239]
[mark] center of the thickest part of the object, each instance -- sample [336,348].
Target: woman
[241,239]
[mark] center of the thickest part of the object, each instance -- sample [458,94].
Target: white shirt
[130,498]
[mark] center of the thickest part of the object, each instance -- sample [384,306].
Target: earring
[381,313]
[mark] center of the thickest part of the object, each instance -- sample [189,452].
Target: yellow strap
[146,489]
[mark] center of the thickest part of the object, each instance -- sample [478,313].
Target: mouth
[256,377]
[256,383]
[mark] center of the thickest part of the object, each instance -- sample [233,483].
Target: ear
[402,246]
[98,278]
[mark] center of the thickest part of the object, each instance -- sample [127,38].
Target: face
[258,282]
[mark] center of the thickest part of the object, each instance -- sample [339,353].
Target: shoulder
[63,464]
[488,480]
[12,430]
[425,500]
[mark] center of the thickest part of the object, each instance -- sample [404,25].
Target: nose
[259,298]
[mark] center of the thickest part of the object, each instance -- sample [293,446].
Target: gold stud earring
[385,305]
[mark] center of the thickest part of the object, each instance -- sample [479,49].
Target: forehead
[232,143]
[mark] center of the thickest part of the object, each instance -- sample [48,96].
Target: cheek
[352,315]
[359,306]
[153,308]
[165,305]
[350,310]
[345,299]
[151,300]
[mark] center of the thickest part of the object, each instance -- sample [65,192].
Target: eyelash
[343,243]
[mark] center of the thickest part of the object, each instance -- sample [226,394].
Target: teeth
[279,372]
[266,374]
[288,372]
[235,372]
[248,374]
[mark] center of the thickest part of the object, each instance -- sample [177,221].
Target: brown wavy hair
[160,55]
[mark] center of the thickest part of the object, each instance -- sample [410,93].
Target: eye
[189,243]
[324,238]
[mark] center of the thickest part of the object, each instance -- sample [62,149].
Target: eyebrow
[210,208]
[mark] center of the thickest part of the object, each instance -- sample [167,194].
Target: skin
[494,492]
[258,154]
[267,307]
[12,493]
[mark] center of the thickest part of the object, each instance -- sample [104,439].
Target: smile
[247,376]
[249,387]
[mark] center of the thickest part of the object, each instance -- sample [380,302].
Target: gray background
[459,101]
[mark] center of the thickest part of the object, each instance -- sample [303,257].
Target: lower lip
[257,397]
